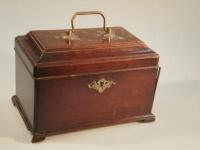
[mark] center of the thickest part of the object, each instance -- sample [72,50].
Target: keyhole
[101,83]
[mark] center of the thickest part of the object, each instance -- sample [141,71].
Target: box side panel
[68,103]
[25,90]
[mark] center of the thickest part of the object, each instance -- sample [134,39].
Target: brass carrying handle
[89,13]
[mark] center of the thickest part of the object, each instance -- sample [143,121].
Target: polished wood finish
[52,77]
[40,136]
[16,102]
[25,89]
[71,96]
[46,53]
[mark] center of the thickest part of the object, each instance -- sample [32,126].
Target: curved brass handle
[70,33]
[89,13]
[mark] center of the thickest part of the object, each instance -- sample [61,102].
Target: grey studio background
[170,27]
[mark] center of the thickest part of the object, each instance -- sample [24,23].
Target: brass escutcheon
[101,85]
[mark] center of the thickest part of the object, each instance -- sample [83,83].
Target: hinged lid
[113,47]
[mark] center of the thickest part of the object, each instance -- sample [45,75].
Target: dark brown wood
[38,137]
[129,52]
[41,136]
[25,90]
[52,77]
[83,106]
[147,119]
[16,103]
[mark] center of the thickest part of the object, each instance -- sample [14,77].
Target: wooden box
[67,80]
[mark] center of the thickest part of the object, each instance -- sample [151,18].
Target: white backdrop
[170,27]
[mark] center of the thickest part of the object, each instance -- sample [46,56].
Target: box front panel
[83,101]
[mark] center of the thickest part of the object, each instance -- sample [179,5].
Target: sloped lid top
[55,45]
[50,50]
[93,38]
